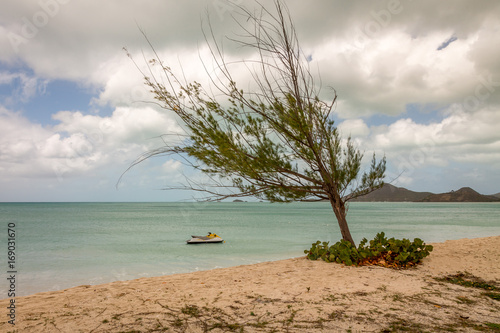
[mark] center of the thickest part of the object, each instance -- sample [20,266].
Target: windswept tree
[277,142]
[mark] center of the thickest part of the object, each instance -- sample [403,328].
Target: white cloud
[27,86]
[124,83]
[80,36]
[404,134]
[461,137]
[479,127]
[171,166]
[378,71]
[354,128]
[393,66]
[80,143]
[18,136]
[394,70]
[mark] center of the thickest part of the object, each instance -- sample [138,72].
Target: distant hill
[393,194]
[465,194]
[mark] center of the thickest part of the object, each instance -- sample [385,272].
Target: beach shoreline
[294,295]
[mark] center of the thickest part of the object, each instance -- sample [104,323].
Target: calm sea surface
[61,245]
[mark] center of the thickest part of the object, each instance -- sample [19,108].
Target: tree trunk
[340,213]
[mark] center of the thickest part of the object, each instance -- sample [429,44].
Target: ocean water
[61,245]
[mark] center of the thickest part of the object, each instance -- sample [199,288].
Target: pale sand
[295,295]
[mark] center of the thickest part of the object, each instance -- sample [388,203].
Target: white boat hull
[204,240]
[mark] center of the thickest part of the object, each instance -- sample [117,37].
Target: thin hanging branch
[276,142]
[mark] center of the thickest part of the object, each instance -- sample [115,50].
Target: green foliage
[493,326]
[191,310]
[468,280]
[277,142]
[391,252]
[495,296]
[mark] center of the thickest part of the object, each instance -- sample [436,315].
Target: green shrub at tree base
[394,253]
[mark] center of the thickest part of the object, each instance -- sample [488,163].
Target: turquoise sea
[61,245]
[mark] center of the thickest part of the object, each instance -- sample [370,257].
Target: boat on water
[210,238]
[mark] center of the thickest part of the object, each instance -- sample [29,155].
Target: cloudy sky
[418,81]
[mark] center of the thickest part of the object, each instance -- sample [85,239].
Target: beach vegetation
[465,300]
[191,310]
[471,281]
[178,322]
[380,251]
[468,280]
[493,326]
[277,140]
[260,324]
[402,325]
[495,296]
[330,298]
[336,315]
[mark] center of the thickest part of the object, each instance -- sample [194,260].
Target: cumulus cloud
[27,86]
[171,166]
[457,129]
[380,57]
[79,143]
[354,128]
[462,137]
[81,36]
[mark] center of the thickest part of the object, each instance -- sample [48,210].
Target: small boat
[210,238]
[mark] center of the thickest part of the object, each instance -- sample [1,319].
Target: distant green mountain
[392,193]
[465,194]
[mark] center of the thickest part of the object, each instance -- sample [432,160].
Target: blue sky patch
[446,43]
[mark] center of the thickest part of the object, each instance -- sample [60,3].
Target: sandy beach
[294,295]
